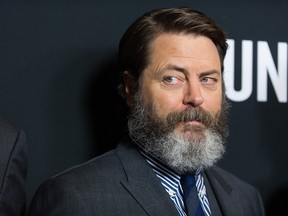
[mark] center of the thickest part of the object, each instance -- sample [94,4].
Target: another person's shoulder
[6,127]
[12,138]
[13,169]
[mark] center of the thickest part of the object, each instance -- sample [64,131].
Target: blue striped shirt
[171,182]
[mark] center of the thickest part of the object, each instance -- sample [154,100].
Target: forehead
[184,48]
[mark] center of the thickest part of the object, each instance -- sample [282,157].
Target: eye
[171,80]
[209,80]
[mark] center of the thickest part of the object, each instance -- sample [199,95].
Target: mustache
[191,114]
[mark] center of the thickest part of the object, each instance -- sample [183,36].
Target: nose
[193,96]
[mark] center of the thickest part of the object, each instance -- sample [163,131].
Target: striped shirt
[171,182]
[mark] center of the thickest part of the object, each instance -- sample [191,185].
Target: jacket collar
[142,182]
[222,191]
[148,191]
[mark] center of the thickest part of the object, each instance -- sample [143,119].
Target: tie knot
[188,180]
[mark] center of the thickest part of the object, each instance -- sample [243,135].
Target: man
[172,63]
[13,170]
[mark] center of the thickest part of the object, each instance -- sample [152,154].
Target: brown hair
[133,55]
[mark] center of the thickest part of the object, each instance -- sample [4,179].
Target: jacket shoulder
[13,169]
[7,129]
[238,191]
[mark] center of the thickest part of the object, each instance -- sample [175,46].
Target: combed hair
[133,55]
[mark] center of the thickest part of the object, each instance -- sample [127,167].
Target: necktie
[191,200]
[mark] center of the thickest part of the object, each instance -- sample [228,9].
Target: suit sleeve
[12,191]
[260,203]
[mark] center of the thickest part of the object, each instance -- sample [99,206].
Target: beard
[181,146]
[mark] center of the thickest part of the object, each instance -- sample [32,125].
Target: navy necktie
[191,200]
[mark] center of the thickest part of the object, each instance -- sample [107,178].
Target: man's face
[178,106]
[184,72]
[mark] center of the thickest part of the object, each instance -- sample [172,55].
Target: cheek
[164,103]
[213,103]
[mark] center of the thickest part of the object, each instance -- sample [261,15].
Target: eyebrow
[174,68]
[205,73]
[184,71]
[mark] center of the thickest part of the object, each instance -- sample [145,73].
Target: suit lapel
[143,184]
[222,192]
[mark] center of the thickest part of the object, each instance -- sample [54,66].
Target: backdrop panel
[57,78]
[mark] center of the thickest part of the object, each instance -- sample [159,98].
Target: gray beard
[184,152]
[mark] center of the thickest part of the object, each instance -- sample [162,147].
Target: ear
[128,87]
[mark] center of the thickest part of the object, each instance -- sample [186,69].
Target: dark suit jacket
[121,182]
[13,170]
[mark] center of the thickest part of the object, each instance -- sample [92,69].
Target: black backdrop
[57,77]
